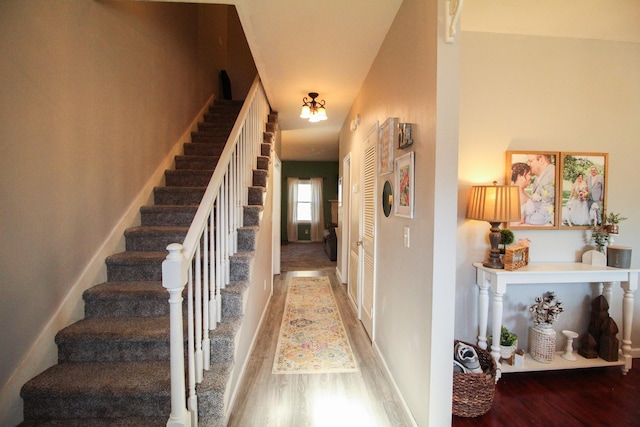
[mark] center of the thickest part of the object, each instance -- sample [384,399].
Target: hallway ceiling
[325,46]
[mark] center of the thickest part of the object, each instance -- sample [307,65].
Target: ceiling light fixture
[312,109]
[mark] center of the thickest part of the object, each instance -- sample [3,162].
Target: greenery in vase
[599,237]
[613,218]
[546,309]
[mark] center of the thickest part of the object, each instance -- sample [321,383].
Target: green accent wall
[328,171]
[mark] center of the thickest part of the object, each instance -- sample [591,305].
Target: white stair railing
[201,262]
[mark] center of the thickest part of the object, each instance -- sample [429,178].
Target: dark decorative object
[588,347]
[387,198]
[226,84]
[600,332]
[331,241]
[608,342]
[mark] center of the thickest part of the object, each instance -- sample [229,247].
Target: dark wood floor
[580,397]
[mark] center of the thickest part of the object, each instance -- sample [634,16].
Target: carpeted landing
[304,257]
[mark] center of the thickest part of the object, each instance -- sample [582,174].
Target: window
[304,201]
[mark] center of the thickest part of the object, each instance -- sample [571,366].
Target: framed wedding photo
[404,185]
[536,174]
[583,189]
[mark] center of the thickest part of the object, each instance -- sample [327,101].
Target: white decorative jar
[542,342]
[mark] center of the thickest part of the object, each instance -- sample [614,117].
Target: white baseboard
[44,353]
[377,352]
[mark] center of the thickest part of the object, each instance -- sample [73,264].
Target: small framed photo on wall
[386,143]
[536,174]
[404,185]
[583,189]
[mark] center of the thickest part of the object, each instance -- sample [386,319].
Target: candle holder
[568,351]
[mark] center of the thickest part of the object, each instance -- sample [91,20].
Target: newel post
[174,279]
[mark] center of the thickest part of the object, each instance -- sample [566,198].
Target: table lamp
[494,204]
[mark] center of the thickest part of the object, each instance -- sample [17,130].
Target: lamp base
[494,255]
[492,264]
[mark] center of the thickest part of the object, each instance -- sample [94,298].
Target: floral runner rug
[312,337]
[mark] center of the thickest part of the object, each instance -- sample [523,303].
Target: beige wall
[522,92]
[95,95]
[414,310]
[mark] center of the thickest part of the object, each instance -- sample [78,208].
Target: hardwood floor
[580,397]
[364,398]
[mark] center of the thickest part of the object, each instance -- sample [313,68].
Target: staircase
[113,365]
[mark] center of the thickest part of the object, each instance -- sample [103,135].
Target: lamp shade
[494,203]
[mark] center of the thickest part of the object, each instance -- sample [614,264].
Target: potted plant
[542,340]
[611,221]
[508,343]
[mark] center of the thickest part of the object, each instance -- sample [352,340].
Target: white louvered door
[367,258]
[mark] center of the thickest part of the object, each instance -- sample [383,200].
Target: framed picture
[404,185]
[515,257]
[583,189]
[536,175]
[386,143]
[404,135]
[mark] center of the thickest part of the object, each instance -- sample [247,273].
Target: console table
[553,273]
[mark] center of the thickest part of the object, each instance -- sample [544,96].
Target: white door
[353,285]
[366,271]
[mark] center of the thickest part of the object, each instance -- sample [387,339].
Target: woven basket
[542,343]
[473,393]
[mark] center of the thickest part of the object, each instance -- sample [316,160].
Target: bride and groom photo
[552,184]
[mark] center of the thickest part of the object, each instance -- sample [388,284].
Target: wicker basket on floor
[473,393]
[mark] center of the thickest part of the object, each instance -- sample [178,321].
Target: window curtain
[317,211]
[292,213]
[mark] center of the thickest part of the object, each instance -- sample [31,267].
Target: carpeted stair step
[153,238]
[223,338]
[115,339]
[196,162]
[219,126]
[265,149]
[131,266]
[99,390]
[167,215]
[240,266]
[256,195]
[203,149]
[247,238]
[209,137]
[234,297]
[211,393]
[260,177]
[252,214]
[263,162]
[101,422]
[188,178]
[126,299]
[178,195]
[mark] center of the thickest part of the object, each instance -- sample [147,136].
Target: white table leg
[627,322]
[496,326]
[483,312]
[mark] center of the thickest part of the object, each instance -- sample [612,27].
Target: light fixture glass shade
[494,203]
[322,113]
[305,113]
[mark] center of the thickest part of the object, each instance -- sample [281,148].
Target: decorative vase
[542,342]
